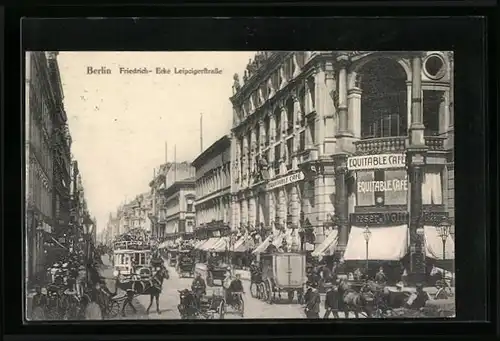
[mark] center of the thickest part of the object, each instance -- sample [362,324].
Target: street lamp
[443,231]
[367,235]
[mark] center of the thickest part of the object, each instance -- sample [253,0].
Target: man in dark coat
[313,303]
[331,301]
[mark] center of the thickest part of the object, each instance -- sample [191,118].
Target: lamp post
[367,234]
[443,231]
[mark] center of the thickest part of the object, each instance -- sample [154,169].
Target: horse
[357,302]
[152,287]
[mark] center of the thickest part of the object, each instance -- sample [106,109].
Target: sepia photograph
[239,185]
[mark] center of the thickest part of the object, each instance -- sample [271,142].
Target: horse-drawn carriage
[185,264]
[281,271]
[172,253]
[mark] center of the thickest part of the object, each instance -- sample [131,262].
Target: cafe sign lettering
[380,161]
[393,185]
[286,180]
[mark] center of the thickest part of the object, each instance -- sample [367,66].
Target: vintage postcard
[233,185]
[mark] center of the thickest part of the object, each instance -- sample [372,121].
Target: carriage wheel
[262,291]
[241,307]
[38,314]
[270,295]
[114,309]
[222,309]
[254,290]
[93,312]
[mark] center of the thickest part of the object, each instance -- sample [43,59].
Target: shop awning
[243,244]
[199,243]
[222,245]
[265,244]
[434,244]
[278,241]
[328,245]
[209,244]
[385,243]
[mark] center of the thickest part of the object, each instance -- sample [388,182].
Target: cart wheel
[242,308]
[269,291]
[221,310]
[291,294]
[254,290]
[93,311]
[262,291]
[114,309]
[38,314]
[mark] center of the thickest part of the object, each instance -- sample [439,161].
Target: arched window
[384,99]
[289,116]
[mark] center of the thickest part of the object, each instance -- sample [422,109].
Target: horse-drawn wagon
[186,264]
[282,271]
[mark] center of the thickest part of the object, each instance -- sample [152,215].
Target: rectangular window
[190,207]
[302,140]
[289,147]
[432,101]
[365,196]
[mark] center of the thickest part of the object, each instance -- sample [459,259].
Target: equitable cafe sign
[285,180]
[380,161]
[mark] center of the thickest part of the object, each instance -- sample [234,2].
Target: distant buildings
[213,189]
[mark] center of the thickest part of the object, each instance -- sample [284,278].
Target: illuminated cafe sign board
[286,180]
[394,218]
[379,161]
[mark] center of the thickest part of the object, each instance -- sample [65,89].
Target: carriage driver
[199,288]
[235,287]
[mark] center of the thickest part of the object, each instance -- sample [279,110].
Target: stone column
[408,104]
[253,151]
[415,159]
[341,199]
[318,210]
[319,94]
[296,125]
[282,205]
[272,137]
[329,109]
[308,102]
[354,111]
[343,129]
[246,160]
[262,138]
[295,204]
[271,205]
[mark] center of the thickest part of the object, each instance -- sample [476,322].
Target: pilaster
[341,199]
[329,108]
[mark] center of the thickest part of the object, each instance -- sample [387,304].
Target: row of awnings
[169,243]
[385,243]
[273,239]
[223,244]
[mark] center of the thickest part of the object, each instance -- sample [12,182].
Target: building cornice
[217,148]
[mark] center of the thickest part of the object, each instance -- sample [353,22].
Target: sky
[119,123]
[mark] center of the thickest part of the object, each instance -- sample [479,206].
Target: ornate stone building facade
[213,189]
[300,117]
[48,159]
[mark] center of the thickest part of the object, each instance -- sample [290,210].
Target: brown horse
[357,302]
[152,287]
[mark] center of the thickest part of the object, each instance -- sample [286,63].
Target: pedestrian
[380,277]
[81,280]
[331,301]
[313,303]
[441,293]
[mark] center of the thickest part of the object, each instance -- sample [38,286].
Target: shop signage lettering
[385,218]
[382,186]
[434,218]
[380,161]
[285,180]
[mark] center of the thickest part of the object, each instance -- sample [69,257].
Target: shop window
[364,193]
[312,93]
[383,102]
[289,153]
[302,140]
[289,116]
[432,188]
[277,117]
[432,104]
[397,183]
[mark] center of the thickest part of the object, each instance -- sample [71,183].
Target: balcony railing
[395,144]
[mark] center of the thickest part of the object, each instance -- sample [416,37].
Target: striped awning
[243,244]
[272,239]
[209,244]
[221,245]
[199,243]
[328,245]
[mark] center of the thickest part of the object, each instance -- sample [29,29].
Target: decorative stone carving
[296,66]
[236,83]
[270,88]
[284,81]
[245,76]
